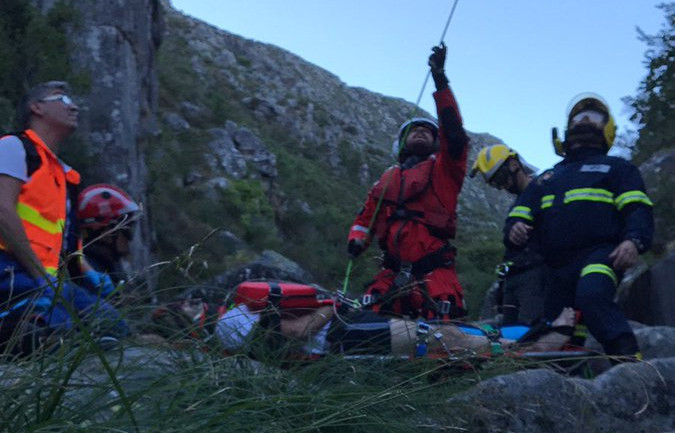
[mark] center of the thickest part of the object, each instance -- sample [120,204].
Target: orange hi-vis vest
[41,205]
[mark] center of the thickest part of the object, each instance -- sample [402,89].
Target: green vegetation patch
[34,48]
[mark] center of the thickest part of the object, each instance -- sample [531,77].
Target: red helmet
[102,205]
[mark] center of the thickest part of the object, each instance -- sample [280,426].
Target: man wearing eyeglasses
[35,186]
[519,292]
[592,218]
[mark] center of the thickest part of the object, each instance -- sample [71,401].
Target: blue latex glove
[41,304]
[100,281]
[48,285]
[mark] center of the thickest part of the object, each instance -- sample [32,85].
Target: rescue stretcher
[293,299]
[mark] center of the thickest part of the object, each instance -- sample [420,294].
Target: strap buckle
[404,275]
[369,299]
[502,269]
[343,300]
[444,307]
[274,295]
[423,329]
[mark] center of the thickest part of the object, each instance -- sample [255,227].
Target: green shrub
[476,262]
[247,201]
[34,48]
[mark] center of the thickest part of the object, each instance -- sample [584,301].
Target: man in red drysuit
[411,210]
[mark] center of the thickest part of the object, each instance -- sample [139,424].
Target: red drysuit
[416,220]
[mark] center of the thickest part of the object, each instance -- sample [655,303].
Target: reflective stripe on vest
[599,195]
[589,194]
[632,197]
[33,216]
[523,212]
[41,205]
[599,268]
[547,201]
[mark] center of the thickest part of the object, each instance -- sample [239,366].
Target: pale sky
[514,65]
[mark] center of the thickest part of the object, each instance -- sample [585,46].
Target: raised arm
[453,138]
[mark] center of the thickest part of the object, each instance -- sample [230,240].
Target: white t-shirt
[234,330]
[13,158]
[234,327]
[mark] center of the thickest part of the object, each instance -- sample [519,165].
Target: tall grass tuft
[180,385]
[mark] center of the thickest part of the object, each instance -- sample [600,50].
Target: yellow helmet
[587,112]
[490,159]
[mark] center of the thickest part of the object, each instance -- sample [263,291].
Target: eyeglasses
[500,177]
[594,118]
[67,100]
[420,127]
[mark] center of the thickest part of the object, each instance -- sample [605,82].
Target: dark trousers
[17,285]
[524,296]
[592,293]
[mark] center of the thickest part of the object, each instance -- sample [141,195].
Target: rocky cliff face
[256,110]
[115,45]
[310,105]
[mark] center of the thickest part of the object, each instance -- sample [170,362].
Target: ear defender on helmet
[588,119]
[609,131]
[398,146]
[557,142]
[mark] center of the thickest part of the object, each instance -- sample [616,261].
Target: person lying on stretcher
[323,331]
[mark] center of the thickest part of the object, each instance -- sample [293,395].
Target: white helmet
[398,145]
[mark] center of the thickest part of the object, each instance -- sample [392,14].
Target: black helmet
[588,118]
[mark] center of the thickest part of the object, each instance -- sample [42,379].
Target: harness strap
[408,273]
[270,318]
[399,288]
[434,260]
[442,309]
[267,342]
[510,269]
[403,213]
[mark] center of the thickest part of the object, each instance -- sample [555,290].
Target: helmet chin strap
[585,136]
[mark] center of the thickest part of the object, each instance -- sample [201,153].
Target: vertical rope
[426,79]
